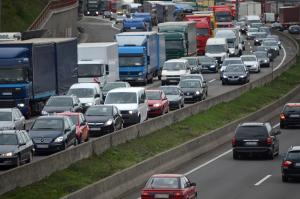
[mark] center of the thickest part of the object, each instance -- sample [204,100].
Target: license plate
[132,28]
[251,143]
[161,196]
[42,146]
[95,129]
[294,116]
[7,93]
[173,80]
[297,164]
[188,96]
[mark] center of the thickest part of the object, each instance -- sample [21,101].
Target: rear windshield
[251,132]
[292,109]
[293,155]
[163,183]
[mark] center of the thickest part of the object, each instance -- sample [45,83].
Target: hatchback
[290,115]
[158,103]
[290,166]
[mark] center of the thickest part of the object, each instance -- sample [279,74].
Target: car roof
[153,90]
[168,175]
[6,109]
[294,148]
[125,90]
[11,131]
[253,124]
[292,104]
[68,113]
[85,85]
[248,55]
[52,117]
[176,60]
[232,58]
[63,96]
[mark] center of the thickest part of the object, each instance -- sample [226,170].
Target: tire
[179,106]
[284,178]
[223,83]
[75,143]
[270,155]
[235,155]
[282,126]
[30,157]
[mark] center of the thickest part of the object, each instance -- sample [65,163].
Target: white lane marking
[262,180]
[208,162]
[276,125]
[283,59]
[113,26]
[210,81]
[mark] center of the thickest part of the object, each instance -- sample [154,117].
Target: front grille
[42,140]
[173,76]
[233,77]
[7,104]
[124,112]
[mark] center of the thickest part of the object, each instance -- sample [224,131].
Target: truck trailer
[289,15]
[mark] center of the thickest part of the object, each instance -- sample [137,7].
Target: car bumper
[8,161]
[234,81]
[294,172]
[52,147]
[174,105]
[130,119]
[155,111]
[98,131]
[252,149]
[289,122]
[192,98]
[170,81]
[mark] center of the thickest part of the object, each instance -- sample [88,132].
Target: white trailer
[249,8]
[98,62]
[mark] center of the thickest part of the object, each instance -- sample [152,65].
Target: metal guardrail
[51,6]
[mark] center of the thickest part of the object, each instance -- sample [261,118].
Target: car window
[291,109]
[21,138]
[8,139]
[163,183]
[251,132]
[24,138]
[67,124]
[293,155]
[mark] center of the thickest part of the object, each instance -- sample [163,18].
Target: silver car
[251,62]
[11,118]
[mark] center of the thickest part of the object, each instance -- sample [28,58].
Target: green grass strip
[123,156]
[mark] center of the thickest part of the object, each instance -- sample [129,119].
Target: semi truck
[249,8]
[289,15]
[33,70]
[223,16]
[139,56]
[98,62]
[180,38]
[146,16]
[92,8]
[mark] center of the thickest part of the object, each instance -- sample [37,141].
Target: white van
[217,48]
[89,94]
[131,102]
[173,69]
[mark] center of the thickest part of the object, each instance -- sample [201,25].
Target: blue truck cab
[146,16]
[134,25]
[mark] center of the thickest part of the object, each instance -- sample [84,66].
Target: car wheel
[270,154]
[235,155]
[30,157]
[75,142]
[282,126]
[223,83]
[284,178]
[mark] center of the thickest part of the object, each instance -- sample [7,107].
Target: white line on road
[210,81]
[283,59]
[276,125]
[262,180]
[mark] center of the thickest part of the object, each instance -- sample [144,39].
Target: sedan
[262,58]
[199,77]
[53,133]
[194,64]
[175,96]
[103,119]
[169,186]
[58,104]
[273,45]
[16,148]
[208,64]
[11,118]
[158,103]
[192,89]
[277,26]
[82,128]
[259,37]
[251,62]
[295,29]
[112,85]
[235,74]
[271,55]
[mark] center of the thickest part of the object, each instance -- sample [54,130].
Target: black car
[235,74]
[103,119]
[290,115]
[290,166]
[174,95]
[112,85]
[208,64]
[273,45]
[271,53]
[295,29]
[16,148]
[193,90]
[259,37]
[255,138]
[58,104]
[52,133]
[199,77]
[263,58]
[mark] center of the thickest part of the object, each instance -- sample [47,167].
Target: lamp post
[0,15]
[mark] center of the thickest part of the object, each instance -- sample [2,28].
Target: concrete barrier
[40,169]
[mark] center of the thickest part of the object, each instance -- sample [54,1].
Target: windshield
[170,90]
[206,60]
[192,61]
[261,55]
[8,139]
[202,31]
[248,58]
[177,45]
[153,95]
[234,69]
[5,116]
[112,85]
[251,132]
[131,61]
[270,43]
[223,17]
[253,30]
[227,62]
[215,49]
[121,98]
[99,111]
[13,75]
[90,70]
[48,124]
[60,101]
[82,92]
[190,84]
[174,66]
[163,183]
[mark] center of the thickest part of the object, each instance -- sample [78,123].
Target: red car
[158,103]
[171,186]
[82,128]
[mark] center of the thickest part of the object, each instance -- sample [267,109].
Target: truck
[250,8]
[210,17]
[180,38]
[146,16]
[165,11]
[233,40]
[33,70]
[217,48]
[134,25]
[223,16]
[141,55]
[289,15]
[92,8]
[203,31]
[98,62]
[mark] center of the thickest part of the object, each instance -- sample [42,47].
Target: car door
[21,147]
[21,119]
[68,132]
[83,126]
[143,105]
[16,120]
[28,146]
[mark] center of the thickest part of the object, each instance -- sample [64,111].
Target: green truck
[180,38]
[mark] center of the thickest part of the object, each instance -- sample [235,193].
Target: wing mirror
[193,184]
[97,95]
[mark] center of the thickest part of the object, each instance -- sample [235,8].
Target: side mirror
[22,143]
[97,95]
[193,184]
[67,130]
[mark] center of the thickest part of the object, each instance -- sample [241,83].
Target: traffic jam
[73,92]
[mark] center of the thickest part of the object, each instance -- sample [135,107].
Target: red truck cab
[223,15]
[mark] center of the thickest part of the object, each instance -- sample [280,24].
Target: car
[251,62]
[265,30]
[290,115]
[229,61]
[194,64]
[208,64]
[192,89]
[251,32]
[275,37]
[174,95]
[273,45]
[259,37]
[262,58]
[53,133]
[107,14]
[169,185]
[158,103]
[173,69]
[11,118]
[103,119]
[277,26]
[120,18]
[271,55]
[112,85]
[294,29]
[255,138]
[199,77]
[16,148]
[89,94]
[256,25]
[59,104]
[290,166]
[82,128]
[235,74]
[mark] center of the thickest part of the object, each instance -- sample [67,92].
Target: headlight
[276,48]
[89,103]
[9,154]
[130,112]
[265,61]
[109,122]
[224,76]
[242,76]
[197,92]
[156,105]
[212,66]
[97,12]
[21,105]
[45,113]
[59,139]
[140,73]
[163,77]
[88,12]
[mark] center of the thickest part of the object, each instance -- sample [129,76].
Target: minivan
[173,69]
[217,48]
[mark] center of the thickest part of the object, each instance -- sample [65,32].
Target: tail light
[286,164]
[282,116]
[178,194]
[233,141]
[144,195]
[269,141]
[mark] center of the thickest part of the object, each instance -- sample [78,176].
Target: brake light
[269,141]
[178,195]
[282,116]
[286,164]
[233,141]
[144,194]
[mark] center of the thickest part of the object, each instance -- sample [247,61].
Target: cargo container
[250,8]
[289,15]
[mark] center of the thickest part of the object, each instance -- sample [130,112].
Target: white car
[173,69]
[251,62]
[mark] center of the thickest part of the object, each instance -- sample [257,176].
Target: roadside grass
[17,15]
[123,156]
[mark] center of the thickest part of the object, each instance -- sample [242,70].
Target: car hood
[172,98]
[126,107]
[233,73]
[53,109]
[190,89]
[223,54]
[150,102]
[45,134]
[97,119]
[250,62]
[7,148]
[173,72]
[6,125]
[86,100]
